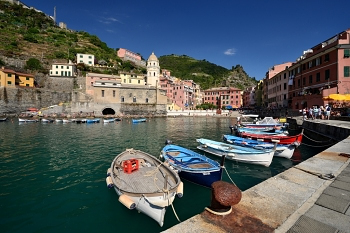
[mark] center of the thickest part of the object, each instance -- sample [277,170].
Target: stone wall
[17,100]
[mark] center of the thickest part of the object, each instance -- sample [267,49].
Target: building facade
[63,70]
[87,59]
[320,71]
[13,79]
[223,97]
[127,55]
[277,87]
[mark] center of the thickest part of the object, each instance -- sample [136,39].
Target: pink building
[127,55]
[223,97]
[183,93]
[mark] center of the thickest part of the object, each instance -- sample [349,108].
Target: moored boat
[138,120]
[283,139]
[237,153]
[192,166]
[285,151]
[92,120]
[108,120]
[25,120]
[3,118]
[144,183]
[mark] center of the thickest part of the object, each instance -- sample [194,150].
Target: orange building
[10,78]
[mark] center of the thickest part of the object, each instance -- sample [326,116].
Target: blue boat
[139,120]
[192,166]
[285,151]
[237,153]
[93,120]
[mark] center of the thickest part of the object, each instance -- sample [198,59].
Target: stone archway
[108,111]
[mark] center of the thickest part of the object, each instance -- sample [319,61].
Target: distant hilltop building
[87,59]
[127,55]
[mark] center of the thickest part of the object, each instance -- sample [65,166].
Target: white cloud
[230,52]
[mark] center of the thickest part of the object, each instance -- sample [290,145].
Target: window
[67,67]
[122,99]
[56,72]
[9,82]
[346,71]
[27,78]
[298,82]
[285,86]
[130,94]
[103,93]
[62,67]
[326,57]
[310,79]
[318,77]
[327,74]
[138,81]
[318,61]
[113,93]
[134,99]
[346,53]
[56,67]
[90,57]
[90,62]
[81,56]
[146,100]
[27,85]
[129,80]
[310,64]
[304,81]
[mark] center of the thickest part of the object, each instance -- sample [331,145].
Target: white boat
[66,120]
[237,153]
[47,120]
[108,120]
[25,120]
[285,151]
[58,120]
[144,183]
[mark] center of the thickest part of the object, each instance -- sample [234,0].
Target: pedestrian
[328,111]
[311,113]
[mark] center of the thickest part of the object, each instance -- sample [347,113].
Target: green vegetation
[33,64]
[205,73]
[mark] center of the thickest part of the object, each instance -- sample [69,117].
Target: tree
[33,64]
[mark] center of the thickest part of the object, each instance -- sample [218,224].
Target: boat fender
[180,190]
[109,182]
[109,172]
[127,202]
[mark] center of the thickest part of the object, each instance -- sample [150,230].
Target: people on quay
[311,113]
[328,111]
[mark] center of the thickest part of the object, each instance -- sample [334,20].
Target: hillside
[30,35]
[205,73]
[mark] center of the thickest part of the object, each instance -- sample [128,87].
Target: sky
[256,34]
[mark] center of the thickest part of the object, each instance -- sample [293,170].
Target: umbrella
[336,97]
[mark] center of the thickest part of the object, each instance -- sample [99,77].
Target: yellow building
[24,80]
[10,78]
[7,77]
[135,79]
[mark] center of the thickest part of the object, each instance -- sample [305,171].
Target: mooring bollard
[223,196]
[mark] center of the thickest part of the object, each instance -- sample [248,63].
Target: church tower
[153,70]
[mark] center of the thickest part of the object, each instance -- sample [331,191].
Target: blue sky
[255,34]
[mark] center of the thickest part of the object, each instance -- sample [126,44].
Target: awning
[337,97]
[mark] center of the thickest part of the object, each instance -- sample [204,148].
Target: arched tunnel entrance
[108,111]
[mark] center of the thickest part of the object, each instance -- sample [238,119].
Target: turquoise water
[52,176]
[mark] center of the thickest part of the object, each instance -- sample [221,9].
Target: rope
[229,175]
[317,141]
[329,176]
[172,206]
[218,213]
[318,146]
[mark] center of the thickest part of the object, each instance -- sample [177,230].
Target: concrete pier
[304,198]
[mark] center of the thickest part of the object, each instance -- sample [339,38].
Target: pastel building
[87,59]
[128,55]
[63,70]
[223,97]
[133,79]
[320,71]
[102,79]
[13,79]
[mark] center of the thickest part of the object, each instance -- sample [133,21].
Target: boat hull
[144,183]
[283,139]
[284,151]
[237,153]
[192,166]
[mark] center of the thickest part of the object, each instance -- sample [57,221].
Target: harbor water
[52,175]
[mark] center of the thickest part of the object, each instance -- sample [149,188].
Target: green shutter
[346,52]
[346,71]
